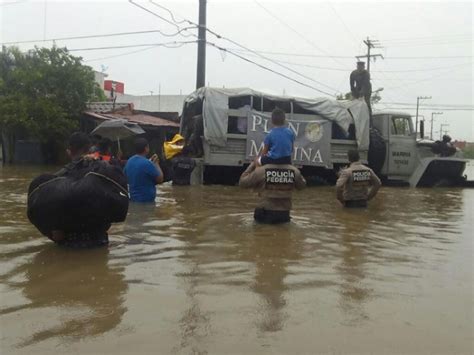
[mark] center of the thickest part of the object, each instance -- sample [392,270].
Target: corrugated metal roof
[106,106]
[141,119]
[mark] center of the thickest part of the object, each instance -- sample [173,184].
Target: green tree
[43,93]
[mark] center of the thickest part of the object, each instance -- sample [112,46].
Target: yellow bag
[172,147]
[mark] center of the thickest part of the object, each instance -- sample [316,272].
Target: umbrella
[117,129]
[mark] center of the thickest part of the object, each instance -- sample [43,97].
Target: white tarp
[216,106]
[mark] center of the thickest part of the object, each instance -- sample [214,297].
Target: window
[236,102]
[401,126]
[237,125]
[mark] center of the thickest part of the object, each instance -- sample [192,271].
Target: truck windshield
[401,126]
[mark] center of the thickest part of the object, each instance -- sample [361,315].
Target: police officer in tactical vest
[275,184]
[357,183]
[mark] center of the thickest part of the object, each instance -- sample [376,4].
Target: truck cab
[410,160]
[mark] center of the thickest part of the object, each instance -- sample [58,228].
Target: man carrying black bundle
[75,206]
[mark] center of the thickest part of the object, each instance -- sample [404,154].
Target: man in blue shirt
[143,174]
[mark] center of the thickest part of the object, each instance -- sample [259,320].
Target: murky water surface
[196,275]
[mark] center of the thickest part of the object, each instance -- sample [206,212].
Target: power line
[428,37]
[251,50]
[456,67]
[342,21]
[100,36]
[430,108]
[295,31]
[171,14]
[121,55]
[292,54]
[268,69]
[162,18]
[168,44]
[431,104]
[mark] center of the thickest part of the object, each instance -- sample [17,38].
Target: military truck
[225,128]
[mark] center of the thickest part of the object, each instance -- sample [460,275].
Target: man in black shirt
[182,166]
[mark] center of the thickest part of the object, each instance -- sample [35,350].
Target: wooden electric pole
[370,44]
[201,54]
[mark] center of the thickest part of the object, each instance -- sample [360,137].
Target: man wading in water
[275,184]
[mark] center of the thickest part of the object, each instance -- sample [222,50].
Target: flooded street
[196,275]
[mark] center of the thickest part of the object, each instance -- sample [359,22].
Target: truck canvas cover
[216,106]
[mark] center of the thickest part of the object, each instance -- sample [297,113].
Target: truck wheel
[377,150]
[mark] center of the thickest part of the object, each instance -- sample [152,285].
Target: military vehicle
[225,129]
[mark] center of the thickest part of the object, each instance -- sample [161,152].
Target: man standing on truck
[361,88]
[356,184]
[275,184]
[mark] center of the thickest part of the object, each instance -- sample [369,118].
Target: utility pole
[417,105]
[441,130]
[432,121]
[370,44]
[201,55]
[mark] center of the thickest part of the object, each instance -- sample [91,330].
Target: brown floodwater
[196,275]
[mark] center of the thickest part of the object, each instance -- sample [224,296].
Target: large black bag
[86,196]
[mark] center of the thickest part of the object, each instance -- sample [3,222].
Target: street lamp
[417,105]
[432,120]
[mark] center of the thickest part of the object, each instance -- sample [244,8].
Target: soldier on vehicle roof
[361,88]
[356,184]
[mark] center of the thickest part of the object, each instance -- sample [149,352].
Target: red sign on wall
[117,86]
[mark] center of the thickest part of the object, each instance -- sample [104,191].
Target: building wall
[153,103]
[99,78]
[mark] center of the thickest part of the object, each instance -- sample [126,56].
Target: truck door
[401,147]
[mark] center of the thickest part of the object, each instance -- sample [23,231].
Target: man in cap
[356,184]
[361,88]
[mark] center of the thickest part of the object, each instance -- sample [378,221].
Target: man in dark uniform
[275,184]
[182,166]
[361,88]
[357,183]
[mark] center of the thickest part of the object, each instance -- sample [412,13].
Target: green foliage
[346,96]
[468,151]
[43,92]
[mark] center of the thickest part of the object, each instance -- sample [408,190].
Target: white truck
[225,129]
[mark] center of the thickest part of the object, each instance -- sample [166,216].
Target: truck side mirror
[422,129]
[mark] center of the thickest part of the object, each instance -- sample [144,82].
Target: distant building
[461,145]
[154,103]
[115,90]
[159,126]
[99,78]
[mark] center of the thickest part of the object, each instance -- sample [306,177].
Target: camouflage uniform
[275,184]
[356,185]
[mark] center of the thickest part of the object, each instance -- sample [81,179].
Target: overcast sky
[427,47]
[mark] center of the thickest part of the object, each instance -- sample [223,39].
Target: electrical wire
[171,14]
[176,44]
[120,55]
[162,18]
[250,50]
[101,36]
[348,57]
[268,69]
[296,32]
